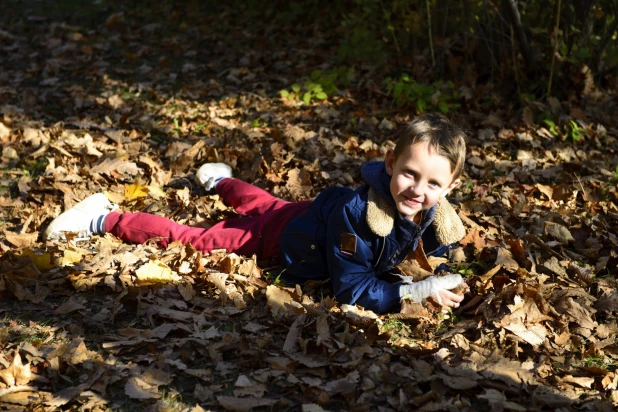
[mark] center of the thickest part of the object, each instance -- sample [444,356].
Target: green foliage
[277,280]
[570,130]
[600,362]
[616,173]
[468,269]
[360,28]
[395,327]
[34,168]
[445,321]
[406,92]
[320,85]
[198,128]
[573,131]
[553,129]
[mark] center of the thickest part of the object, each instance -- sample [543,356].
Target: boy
[351,236]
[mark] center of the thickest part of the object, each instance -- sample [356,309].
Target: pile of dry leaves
[130,109]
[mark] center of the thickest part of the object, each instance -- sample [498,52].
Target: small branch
[556,43]
[517,27]
[433,56]
[598,55]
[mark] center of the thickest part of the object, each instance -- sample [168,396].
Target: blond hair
[446,138]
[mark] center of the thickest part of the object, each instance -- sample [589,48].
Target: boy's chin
[408,211]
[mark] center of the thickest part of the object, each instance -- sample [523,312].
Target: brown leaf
[510,372]
[584,382]
[558,232]
[358,316]
[21,239]
[108,166]
[458,382]
[281,363]
[231,403]
[68,307]
[137,388]
[554,266]
[298,183]
[291,340]
[20,398]
[608,302]
[546,190]
[474,237]
[505,259]
[4,132]
[576,312]
[412,310]
[276,301]
[533,334]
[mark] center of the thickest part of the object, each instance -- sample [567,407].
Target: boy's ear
[389,162]
[452,186]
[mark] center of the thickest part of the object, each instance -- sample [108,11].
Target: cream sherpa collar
[381,218]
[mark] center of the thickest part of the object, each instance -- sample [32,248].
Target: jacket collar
[382,212]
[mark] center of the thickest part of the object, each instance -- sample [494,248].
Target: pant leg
[247,199]
[238,235]
[247,235]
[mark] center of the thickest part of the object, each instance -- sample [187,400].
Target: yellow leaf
[135,191]
[155,272]
[43,262]
[156,191]
[70,257]
[114,197]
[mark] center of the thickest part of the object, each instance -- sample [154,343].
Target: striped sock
[97,225]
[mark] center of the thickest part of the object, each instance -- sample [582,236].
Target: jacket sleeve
[352,271]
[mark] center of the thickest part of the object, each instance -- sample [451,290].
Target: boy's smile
[419,177]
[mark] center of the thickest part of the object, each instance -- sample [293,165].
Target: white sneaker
[209,174]
[78,218]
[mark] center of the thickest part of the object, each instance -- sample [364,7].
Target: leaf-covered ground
[93,100]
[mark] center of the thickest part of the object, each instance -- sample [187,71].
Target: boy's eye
[434,184]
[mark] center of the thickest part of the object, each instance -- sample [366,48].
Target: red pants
[257,232]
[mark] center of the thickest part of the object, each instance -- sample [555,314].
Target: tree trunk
[522,40]
[598,54]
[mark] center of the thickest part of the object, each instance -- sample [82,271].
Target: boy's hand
[209,174]
[448,298]
[436,288]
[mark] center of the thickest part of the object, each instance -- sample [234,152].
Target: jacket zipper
[381,251]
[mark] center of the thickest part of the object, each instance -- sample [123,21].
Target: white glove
[418,291]
[209,174]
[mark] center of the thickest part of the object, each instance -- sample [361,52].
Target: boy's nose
[417,189]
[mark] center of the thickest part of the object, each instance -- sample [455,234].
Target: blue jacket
[354,237]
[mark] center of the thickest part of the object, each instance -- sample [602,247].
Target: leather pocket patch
[348,243]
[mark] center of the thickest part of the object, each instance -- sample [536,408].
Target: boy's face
[419,177]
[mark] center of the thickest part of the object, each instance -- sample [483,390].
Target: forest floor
[130,103]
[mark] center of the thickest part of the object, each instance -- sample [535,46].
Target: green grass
[468,269]
[34,168]
[395,327]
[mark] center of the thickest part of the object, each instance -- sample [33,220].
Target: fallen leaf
[68,307]
[135,191]
[533,334]
[137,388]
[156,272]
[21,239]
[558,232]
[231,403]
[276,300]
[584,382]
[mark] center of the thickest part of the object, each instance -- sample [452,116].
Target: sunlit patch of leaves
[105,325]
